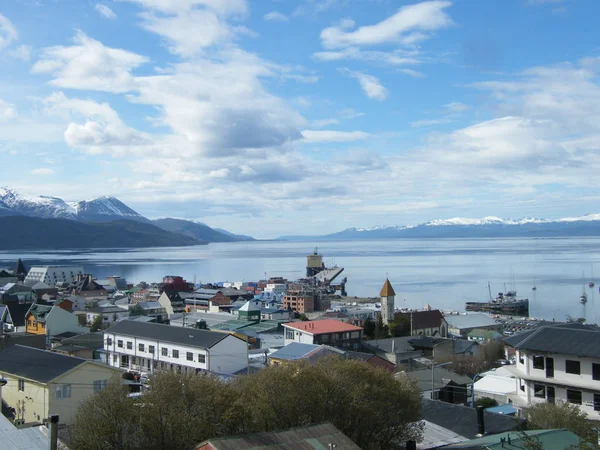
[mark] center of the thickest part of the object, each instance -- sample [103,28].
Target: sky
[280,117]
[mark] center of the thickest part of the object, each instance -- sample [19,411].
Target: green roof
[39,312]
[557,439]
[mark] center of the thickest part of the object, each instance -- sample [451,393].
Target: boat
[591,283]
[583,297]
[504,304]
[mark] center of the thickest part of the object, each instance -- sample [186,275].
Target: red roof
[316,327]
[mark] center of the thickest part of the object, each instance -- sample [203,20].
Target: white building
[110,314]
[388,299]
[276,288]
[558,362]
[51,275]
[145,347]
[330,332]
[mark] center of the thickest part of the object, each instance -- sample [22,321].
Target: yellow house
[42,383]
[35,319]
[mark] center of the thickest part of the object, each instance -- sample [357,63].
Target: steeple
[388,297]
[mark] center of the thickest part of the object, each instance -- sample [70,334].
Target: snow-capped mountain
[105,209]
[36,206]
[459,227]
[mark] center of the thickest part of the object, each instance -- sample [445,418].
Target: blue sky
[279,117]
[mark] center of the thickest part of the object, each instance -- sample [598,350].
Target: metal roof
[316,327]
[317,437]
[21,439]
[35,364]
[387,290]
[462,321]
[177,335]
[441,377]
[294,350]
[575,339]
[557,439]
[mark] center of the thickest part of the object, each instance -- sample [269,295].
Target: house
[330,332]
[51,320]
[7,277]
[42,383]
[201,299]
[557,362]
[52,275]
[462,324]
[6,321]
[16,292]
[85,286]
[447,386]
[484,336]
[145,347]
[556,439]
[31,438]
[323,436]
[427,323]
[440,347]
[109,314]
[172,303]
[17,312]
[86,346]
[275,314]
[153,309]
[296,351]
[499,384]
[40,289]
[372,360]
[397,350]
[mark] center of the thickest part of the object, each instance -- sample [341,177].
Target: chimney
[480,421]
[54,432]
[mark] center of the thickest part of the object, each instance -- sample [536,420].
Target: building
[484,336]
[323,436]
[276,288]
[427,323]
[557,362]
[152,309]
[85,286]
[42,383]
[86,346]
[172,303]
[52,275]
[110,314]
[146,347]
[372,360]
[276,314]
[6,321]
[296,351]
[30,438]
[51,320]
[499,384]
[440,348]
[330,332]
[462,324]
[250,311]
[299,301]
[447,386]
[556,439]
[388,299]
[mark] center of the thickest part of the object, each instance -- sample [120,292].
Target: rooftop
[35,364]
[387,290]
[569,339]
[441,377]
[317,437]
[296,350]
[424,319]
[316,327]
[557,439]
[462,321]
[167,333]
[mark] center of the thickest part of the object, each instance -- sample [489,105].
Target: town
[65,335]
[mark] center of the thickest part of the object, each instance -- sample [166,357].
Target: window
[99,385]
[573,367]
[522,385]
[595,371]
[521,358]
[115,359]
[201,359]
[175,353]
[21,384]
[574,396]
[164,351]
[596,402]
[538,362]
[151,349]
[189,356]
[108,341]
[539,390]
[120,343]
[63,391]
[141,347]
[129,345]
[289,334]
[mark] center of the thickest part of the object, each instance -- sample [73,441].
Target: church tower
[388,296]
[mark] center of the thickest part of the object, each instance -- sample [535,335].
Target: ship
[505,304]
[318,274]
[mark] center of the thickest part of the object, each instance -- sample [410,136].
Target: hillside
[21,232]
[198,231]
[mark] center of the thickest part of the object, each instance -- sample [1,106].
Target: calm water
[444,273]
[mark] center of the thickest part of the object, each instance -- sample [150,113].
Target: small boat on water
[583,298]
[505,304]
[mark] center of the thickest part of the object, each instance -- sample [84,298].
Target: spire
[387,290]
[20,269]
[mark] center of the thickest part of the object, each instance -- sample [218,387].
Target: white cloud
[43,171]
[370,85]
[394,58]
[22,52]
[314,136]
[324,123]
[89,65]
[7,111]
[407,26]
[222,7]
[412,73]
[456,107]
[8,32]
[105,11]
[276,16]
[429,122]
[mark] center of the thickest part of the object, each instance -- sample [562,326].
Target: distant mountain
[239,237]
[486,227]
[106,209]
[41,206]
[198,230]
[22,233]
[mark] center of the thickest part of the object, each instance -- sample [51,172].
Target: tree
[400,326]
[381,329]
[96,323]
[486,402]
[137,310]
[181,410]
[560,415]
[369,328]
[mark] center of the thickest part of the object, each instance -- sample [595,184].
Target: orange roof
[387,290]
[315,327]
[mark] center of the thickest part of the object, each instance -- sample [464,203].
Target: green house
[249,311]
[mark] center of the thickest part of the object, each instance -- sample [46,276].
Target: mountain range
[51,223]
[487,227]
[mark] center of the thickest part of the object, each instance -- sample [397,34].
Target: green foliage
[137,310]
[486,402]
[180,411]
[96,323]
[400,326]
[560,415]
[381,329]
[369,328]
[484,360]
